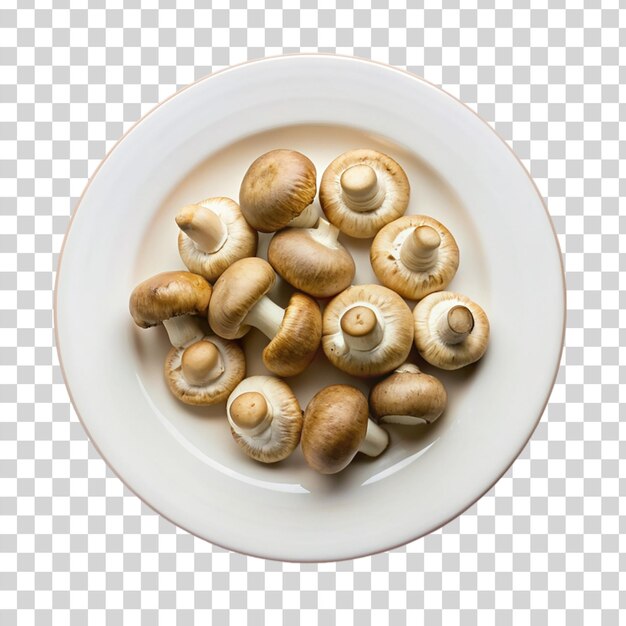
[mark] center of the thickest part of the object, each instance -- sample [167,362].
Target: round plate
[182,461]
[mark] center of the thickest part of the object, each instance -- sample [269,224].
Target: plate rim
[265,60]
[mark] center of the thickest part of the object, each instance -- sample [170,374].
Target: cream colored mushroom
[367,330]
[265,418]
[312,259]
[214,234]
[451,331]
[414,255]
[205,372]
[239,302]
[277,190]
[362,190]
[408,396]
[336,427]
[171,299]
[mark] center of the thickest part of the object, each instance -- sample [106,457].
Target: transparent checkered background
[543,545]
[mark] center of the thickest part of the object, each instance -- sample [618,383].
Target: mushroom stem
[183,330]
[306,219]
[203,226]
[376,440]
[267,316]
[419,250]
[201,363]
[361,188]
[362,330]
[250,414]
[455,325]
[325,233]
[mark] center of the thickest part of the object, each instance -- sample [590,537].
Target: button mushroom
[362,190]
[239,301]
[312,260]
[214,234]
[205,372]
[265,418]
[199,370]
[171,298]
[451,331]
[414,255]
[367,330]
[336,427]
[278,188]
[408,396]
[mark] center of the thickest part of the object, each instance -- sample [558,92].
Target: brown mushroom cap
[236,291]
[293,348]
[169,295]
[221,375]
[414,255]
[391,331]
[238,239]
[408,396]
[312,260]
[451,331]
[270,437]
[362,190]
[335,424]
[277,187]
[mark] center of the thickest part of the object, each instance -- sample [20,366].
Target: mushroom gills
[362,188]
[420,248]
[183,330]
[375,441]
[203,226]
[205,372]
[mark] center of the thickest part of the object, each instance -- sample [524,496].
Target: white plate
[183,461]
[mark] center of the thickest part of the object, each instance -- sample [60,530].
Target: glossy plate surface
[182,461]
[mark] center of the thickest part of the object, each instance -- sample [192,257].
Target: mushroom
[312,260]
[336,427]
[414,255]
[362,190]
[239,301]
[451,331]
[408,396]
[199,370]
[265,418]
[367,330]
[214,234]
[206,371]
[171,298]
[278,188]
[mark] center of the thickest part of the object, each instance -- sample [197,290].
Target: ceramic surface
[181,460]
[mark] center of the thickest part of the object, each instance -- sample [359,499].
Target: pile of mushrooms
[366,331]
